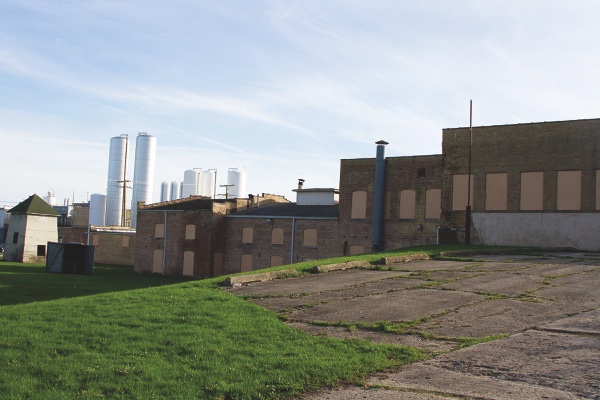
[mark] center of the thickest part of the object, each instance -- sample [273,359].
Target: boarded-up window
[276,261]
[218,264]
[159,230]
[460,184]
[356,249]
[433,204]
[157,261]
[568,190]
[496,191]
[407,204]
[247,234]
[386,204]
[125,241]
[246,263]
[190,232]
[188,263]
[532,191]
[277,236]
[359,205]
[310,238]
[95,240]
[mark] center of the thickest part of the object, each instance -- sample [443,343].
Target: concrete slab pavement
[548,307]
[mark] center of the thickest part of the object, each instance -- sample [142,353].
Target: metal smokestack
[377,238]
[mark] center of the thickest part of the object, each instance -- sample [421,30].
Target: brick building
[283,233]
[113,244]
[535,184]
[411,202]
[187,236]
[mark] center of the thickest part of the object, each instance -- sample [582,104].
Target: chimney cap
[381,143]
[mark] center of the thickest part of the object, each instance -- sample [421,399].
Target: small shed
[70,258]
[32,224]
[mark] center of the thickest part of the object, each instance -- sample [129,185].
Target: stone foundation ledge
[399,259]
[260,277]
[341,266]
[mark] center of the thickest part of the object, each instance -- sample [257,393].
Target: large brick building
[187,236]
[532,184]
[283,233]
[535,184]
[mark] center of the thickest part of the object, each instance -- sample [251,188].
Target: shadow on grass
[26,283]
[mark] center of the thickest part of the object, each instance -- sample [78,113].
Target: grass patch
[118,334]
[463,341]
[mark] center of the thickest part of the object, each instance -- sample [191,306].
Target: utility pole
[124,185]
[468,216]
[226,190]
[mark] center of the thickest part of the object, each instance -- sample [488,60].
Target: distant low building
[33,223]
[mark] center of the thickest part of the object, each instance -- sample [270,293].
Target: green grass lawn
[118,334]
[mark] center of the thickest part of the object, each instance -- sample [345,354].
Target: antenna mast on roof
[468,216]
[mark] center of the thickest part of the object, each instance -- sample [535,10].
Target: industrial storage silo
[209,183]
[50,199]
[97,209]
[237,178]
[143,174]
[164,191]
[117,160]
[174,190]
[192,182]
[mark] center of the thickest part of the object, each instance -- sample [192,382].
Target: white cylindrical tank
[143,174]
[97,209]
[237,178]
[117,160]
[192,182]
[174,190]
[164,191]
[50,199]
[209,182]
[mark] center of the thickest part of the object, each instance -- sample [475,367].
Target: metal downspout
[164,260]
[293,240]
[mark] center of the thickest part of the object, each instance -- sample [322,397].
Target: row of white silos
[143,180]
[109,210]
[197,182]
[169,191]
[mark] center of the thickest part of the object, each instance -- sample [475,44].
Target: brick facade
[543,188]
[112,246]
[193,243]
[262,250]
[549,148]
[416,173]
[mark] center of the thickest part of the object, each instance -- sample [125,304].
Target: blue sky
[285,88]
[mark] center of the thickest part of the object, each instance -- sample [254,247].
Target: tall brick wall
[261,249]
[418,173]
[110,247]
[513,149]
[176,244]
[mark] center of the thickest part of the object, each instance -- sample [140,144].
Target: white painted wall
[578,230]
[325,198]
[33,230]
[14,251]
